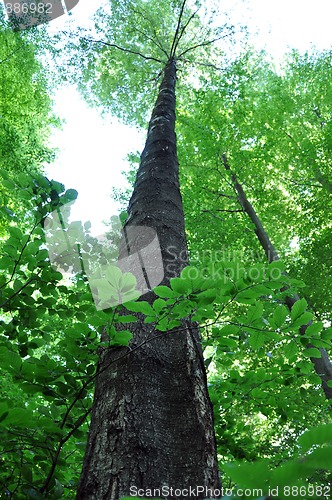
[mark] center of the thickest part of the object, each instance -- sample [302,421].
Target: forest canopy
[254,143]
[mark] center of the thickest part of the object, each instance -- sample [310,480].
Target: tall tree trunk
[152,419]
[322,365]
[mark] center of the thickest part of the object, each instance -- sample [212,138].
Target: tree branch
[184,29]
[147,37]
[156,41]
[203,44]
[62,441]
[172,52]
[17,292]
[123,49]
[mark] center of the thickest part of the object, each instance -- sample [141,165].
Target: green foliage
[49,338]
[122,66]
[294,478]
[25,106]
[26,120]
[268,124]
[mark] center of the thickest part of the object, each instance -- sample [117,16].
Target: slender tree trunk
[322,365]
[152,419]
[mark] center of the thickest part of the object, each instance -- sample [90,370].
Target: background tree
[264,391]
[250,113]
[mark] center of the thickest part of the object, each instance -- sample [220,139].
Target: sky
[93,151]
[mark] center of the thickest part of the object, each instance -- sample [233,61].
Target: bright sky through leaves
[92,151]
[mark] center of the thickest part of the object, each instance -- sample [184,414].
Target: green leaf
[31,388]
[327,334]
[180,286]
[249,475]
[141,306]
[114,276]
[258,393]
[3,411]
[23,180]
[291,349]
[10,358]
[126,319]
[193,275]
[206,297]
[275,269]
[280,315]
[127,282]
[232,344]
[150,319]
[228,330]
[123,216]
[58,490]
[255,312]
[298,308]
[297,283]
[70,195]
[10,250]
[321,434]
[305,367]
[36,343]
[317,342]
[164,292]
[320,458]
[173,324]
[16,232]
[286,474]
[32,247]
[158,305]
[7,263]
[312,352]
[256,340]
[9,184]
[42,255]
[162,324]
[303,320]
[314,328]
[26,472]
[122,338]
[3,173]
[19,417]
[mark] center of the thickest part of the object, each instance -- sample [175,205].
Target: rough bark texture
[152,420]
[322,365]
[156,201]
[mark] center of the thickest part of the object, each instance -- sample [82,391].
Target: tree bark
[322,365]
[151,429]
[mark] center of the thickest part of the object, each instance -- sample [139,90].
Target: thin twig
[156,41]
[123,49]
[203,44]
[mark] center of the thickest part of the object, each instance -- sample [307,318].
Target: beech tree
[153,427]
[321,363]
